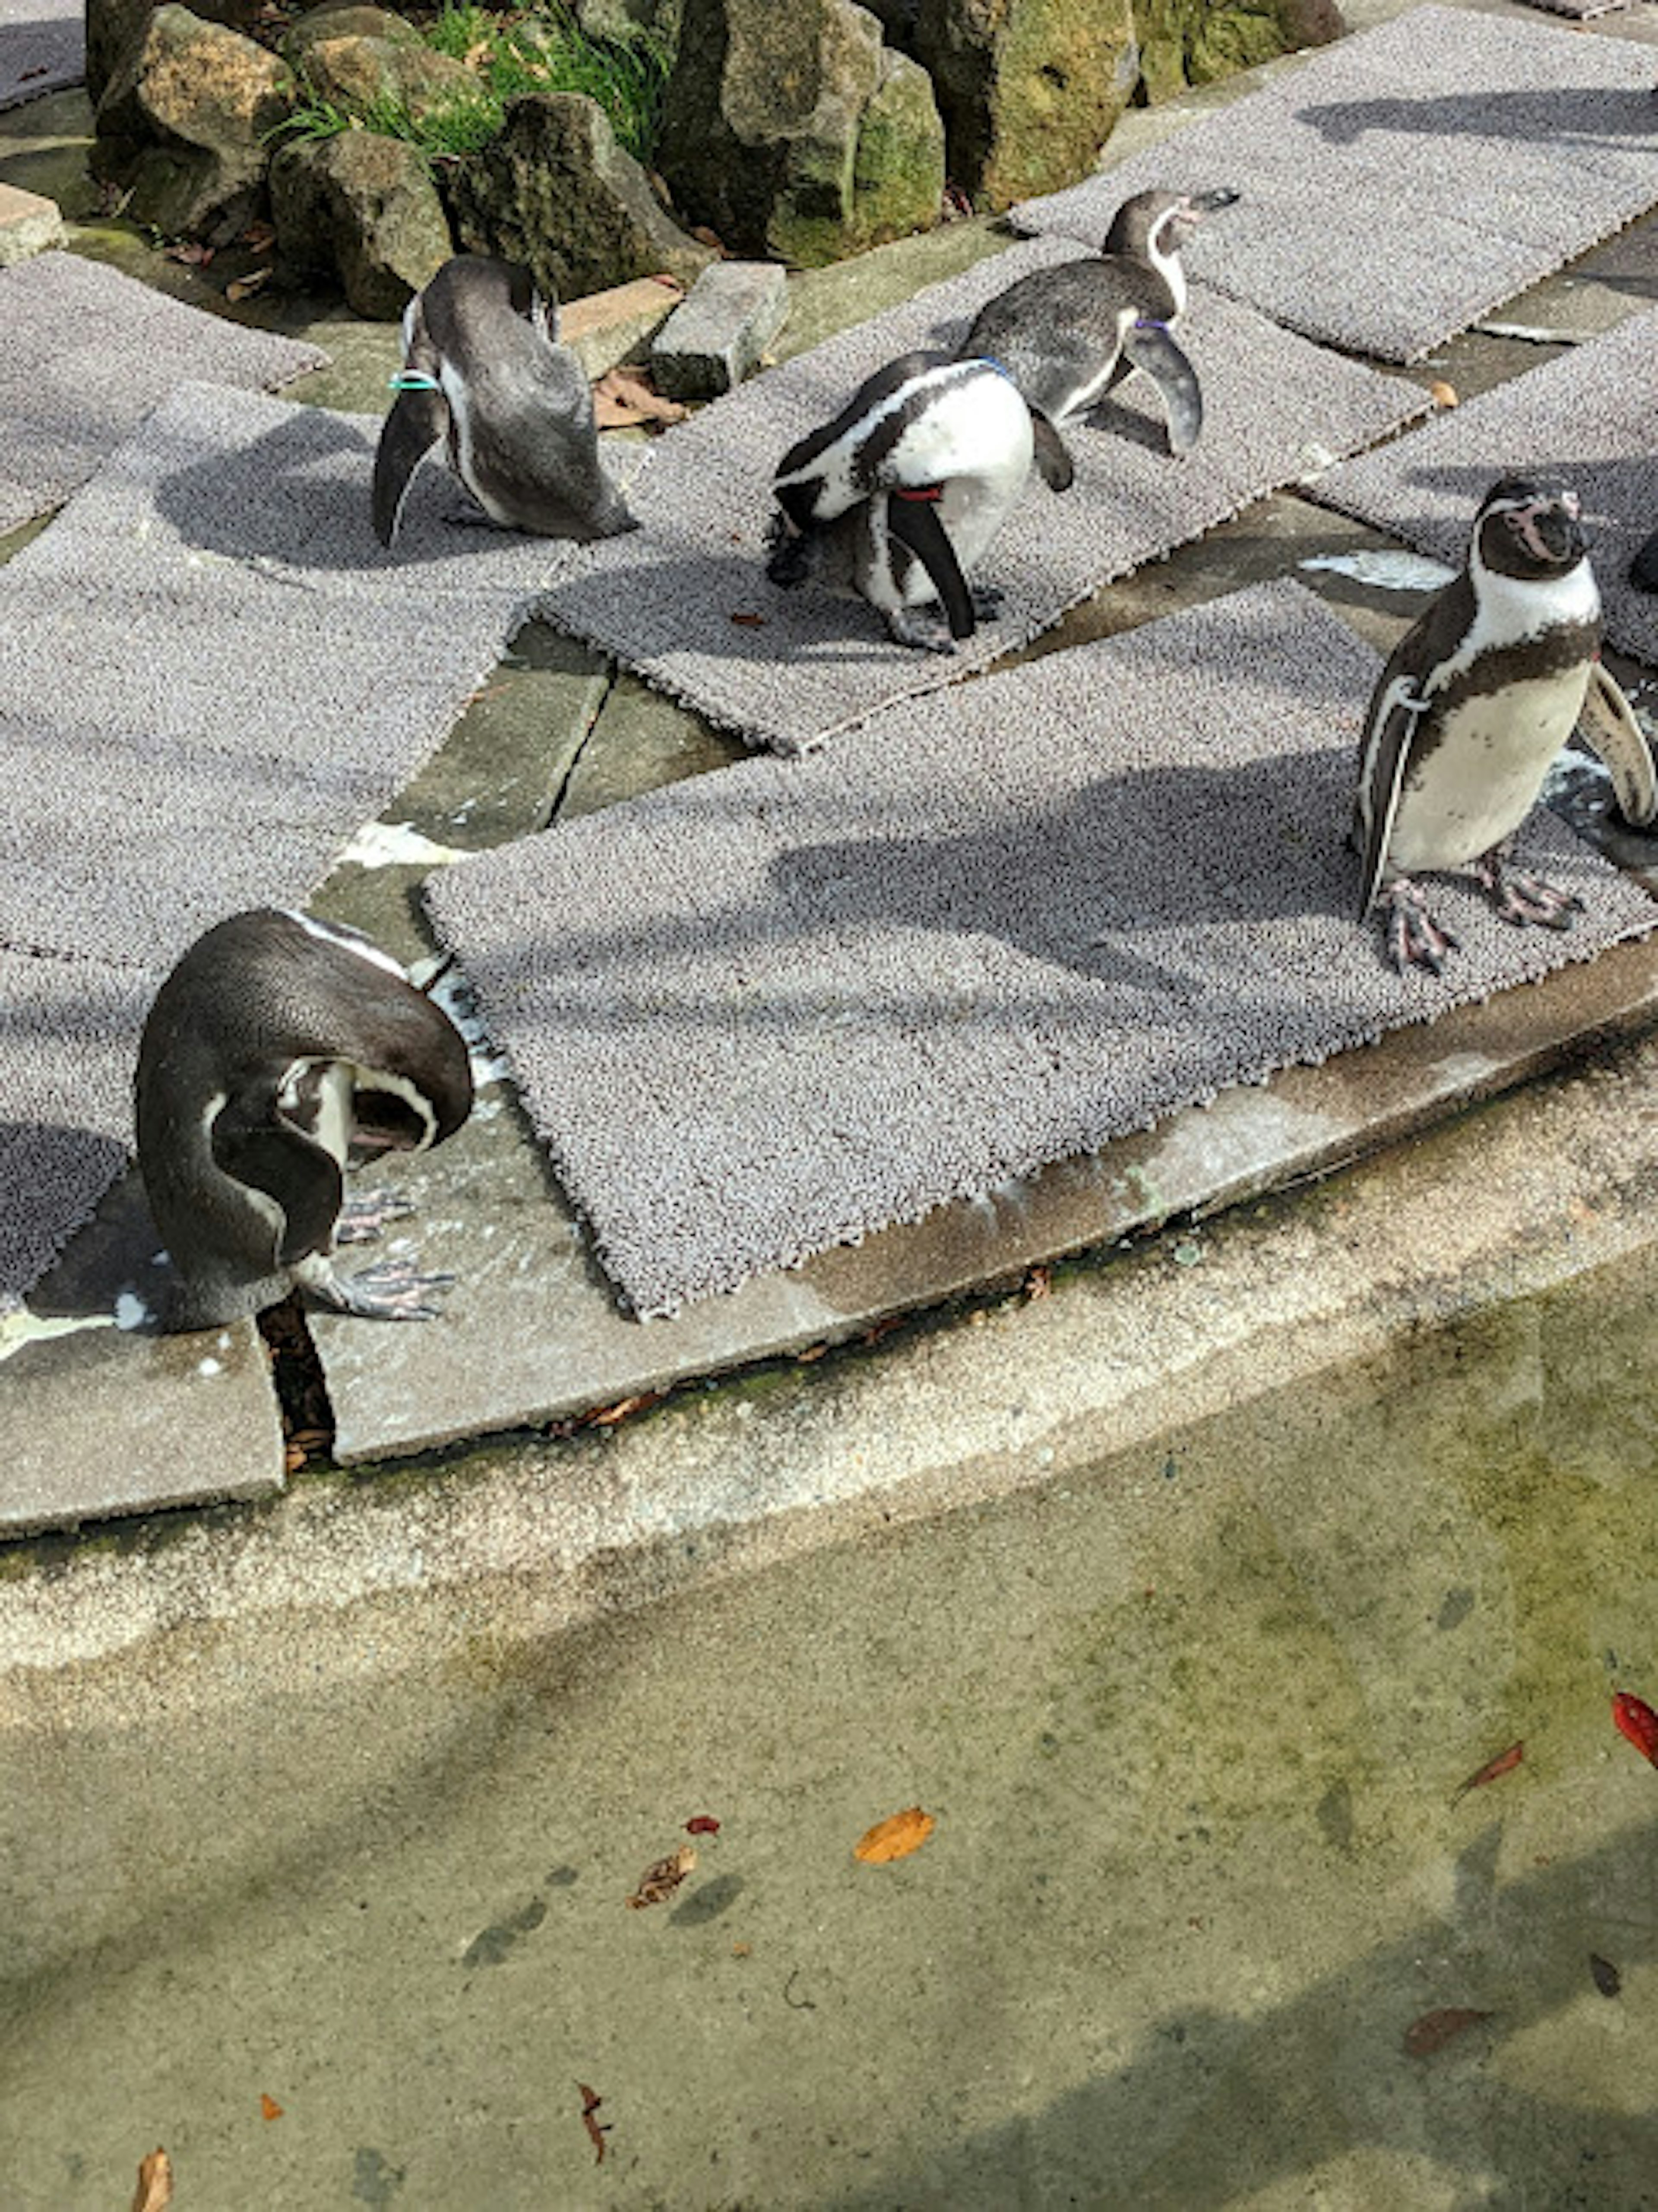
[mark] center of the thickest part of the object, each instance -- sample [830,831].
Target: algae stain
[374,2179]
[492,1946]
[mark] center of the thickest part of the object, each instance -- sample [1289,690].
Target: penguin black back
[278,1049]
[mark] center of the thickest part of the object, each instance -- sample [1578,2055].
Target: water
[1191,1730]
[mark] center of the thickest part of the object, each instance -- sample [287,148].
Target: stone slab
[97,1420]
[718,335]
[29,224]
[603,328]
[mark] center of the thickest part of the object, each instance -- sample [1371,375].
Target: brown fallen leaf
[1038,1283]
[658,1882]
[269,2108]
[154,2191]
[606,1417]
[244,287]
[704,236]
[625,398]
[746,621]
[260,236]
[1607,1979]
[1435,2029]
[191,253]
[596,2130]
[894,1838]
[1443,394]
[1492,1770]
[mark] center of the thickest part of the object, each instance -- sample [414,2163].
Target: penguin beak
[1548,527]
[1203,204]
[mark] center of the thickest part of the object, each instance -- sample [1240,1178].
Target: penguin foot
[927,633]
[364,1215]
[1413,936]
[391,1290]
[986,600]
[1522,898]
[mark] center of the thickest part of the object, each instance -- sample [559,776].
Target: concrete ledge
[605,327]
[28,225]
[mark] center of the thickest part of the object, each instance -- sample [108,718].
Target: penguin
[278,1051]
[482,370]
[906,488]
[1068,334]
[1473,707]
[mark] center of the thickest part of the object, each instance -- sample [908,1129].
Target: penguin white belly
[1477,784]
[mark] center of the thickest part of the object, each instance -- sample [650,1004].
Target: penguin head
[1529,526]
[1153,224]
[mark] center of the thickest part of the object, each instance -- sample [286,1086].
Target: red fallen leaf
[703,1825]
[24,75]
[1492,1770]
[596,2130]
[1634,1720]
[269,2108]
[1435,2029]
[154,2191]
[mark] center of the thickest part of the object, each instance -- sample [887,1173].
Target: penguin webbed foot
[925,633]
[791,554]
[365,1214]
[986,600]
[1522,898]
[1414,938]
[391,1290]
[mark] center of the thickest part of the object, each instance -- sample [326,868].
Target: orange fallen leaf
[660,1881]
[625,398]
[261,236]
[154,2191]
[1443,394]
[894,1838]
[269,2108]
[596,2130]
[1435,2029]
[244,287]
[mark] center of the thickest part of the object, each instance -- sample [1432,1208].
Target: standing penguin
[484,369]
[279,1049]
[1068,334]
[906,488]
[1475,704]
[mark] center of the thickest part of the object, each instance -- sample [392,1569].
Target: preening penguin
[1068,334]
[1476,702]
[482,370]
[906,488]
[279,1050]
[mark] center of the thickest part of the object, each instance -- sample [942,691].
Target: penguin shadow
[1089,884]
[114,1255]
[316,470]
[1575,115]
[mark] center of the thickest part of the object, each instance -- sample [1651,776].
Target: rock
[1190,42]
[115,26]
[711,343]
[28,225]
[360,74]
[769,111]
[618,21]
[364,206]
[344,19]
[1029,88]
[184,121]
[556,192]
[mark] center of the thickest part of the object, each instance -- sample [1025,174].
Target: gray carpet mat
[771,1010]
[67,1033]
[89,352]
[211,674]
[1590,416]
[1404,181]
[670,599]
[43,47]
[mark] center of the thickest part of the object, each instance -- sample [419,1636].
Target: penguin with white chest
[279,1051]
[1068,334]
[484,375]
[902,494]
[1471,709]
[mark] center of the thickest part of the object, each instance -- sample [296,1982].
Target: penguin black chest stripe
[1556,651]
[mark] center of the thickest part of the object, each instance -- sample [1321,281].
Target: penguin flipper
[1622,746]
[913,520]
[1385,752]
[1053,457]
[1153,348]
[271,1154]
[418,422]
